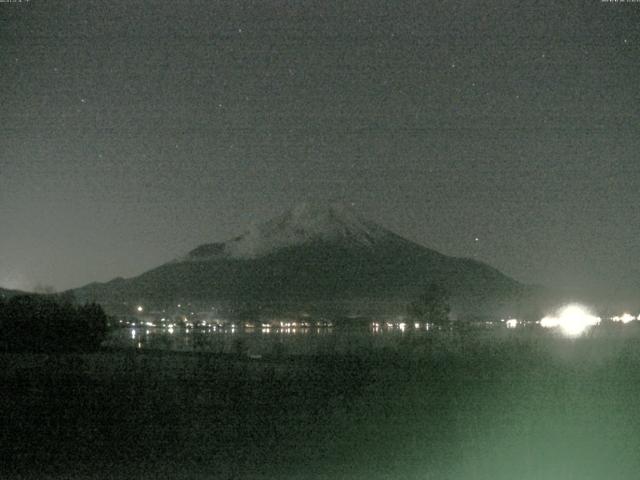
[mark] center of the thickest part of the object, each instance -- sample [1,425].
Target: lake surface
[270,341]
[487,404]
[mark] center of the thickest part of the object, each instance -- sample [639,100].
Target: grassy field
[466,405]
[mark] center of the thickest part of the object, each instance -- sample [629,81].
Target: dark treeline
[40,323]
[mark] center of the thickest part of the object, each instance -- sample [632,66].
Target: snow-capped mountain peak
[303,224]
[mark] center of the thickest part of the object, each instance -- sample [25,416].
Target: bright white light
[572,319]
[627,317]
[133,333]
[511,323]
[140,308]
[170,329]
[550,322]
[402,326]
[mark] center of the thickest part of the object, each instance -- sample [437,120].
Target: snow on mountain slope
[312,253]
[303,224]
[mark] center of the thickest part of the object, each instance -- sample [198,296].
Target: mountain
[315,255]
[305,224]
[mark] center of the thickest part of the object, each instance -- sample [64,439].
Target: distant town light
[140,308]
[626,318]
[550,322]
[511,323]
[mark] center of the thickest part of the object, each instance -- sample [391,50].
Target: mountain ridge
[304,223]
[311,254]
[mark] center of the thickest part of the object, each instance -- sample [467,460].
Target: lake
[259,341]
[492,404]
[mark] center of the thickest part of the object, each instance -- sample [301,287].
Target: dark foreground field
[459,406]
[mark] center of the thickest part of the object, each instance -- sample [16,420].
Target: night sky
[504,131]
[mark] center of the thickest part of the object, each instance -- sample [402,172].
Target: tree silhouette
[432,305]
[48,324]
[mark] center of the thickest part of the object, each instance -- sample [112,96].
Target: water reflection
[262,338]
